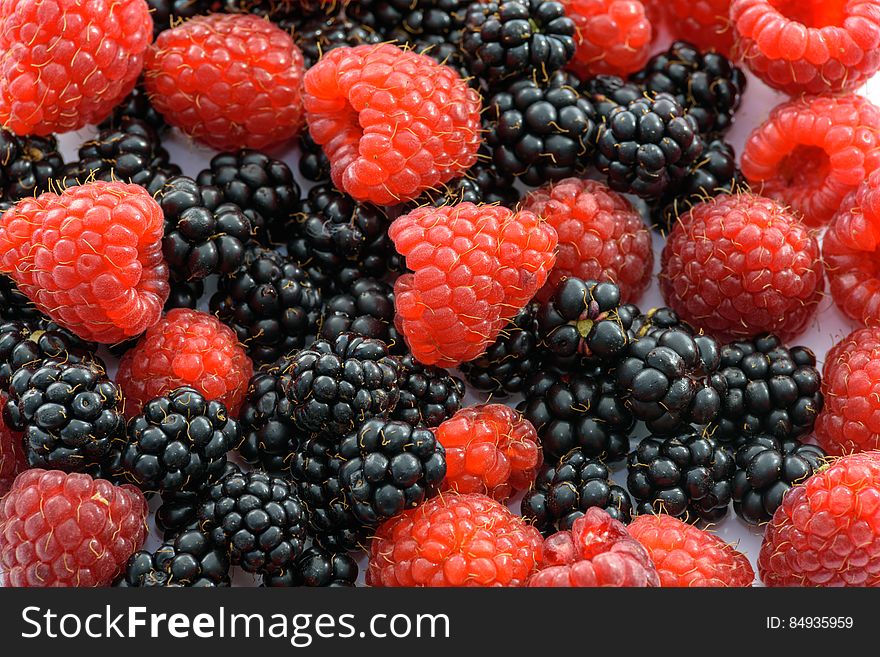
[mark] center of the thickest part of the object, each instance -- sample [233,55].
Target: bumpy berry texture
[269,438]
[474,268]
[12,456]
[601,236]
[686,556]
[826,531]
[741,265]
[30,343]
[320,34]
[317,567]
[91,258]
[612,36]
[185,348]
[67,64]
[454,540]
[812,151]
[808,46]
[27,164]
[227,81]
[188,561]
[366,308]
[60,529]
[14,305]
[393,123]
[428,395]
[705,23]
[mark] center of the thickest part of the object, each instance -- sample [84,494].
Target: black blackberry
[771,390]
[179,442]
[136,105]
[269,438]
[317,567]
[562,493]
[178,511]
[27,165]
[321,34]
[541,131]
[687,475]
[14,305]
[71,414]
[366,308]
[131,153]
[706,84]
[280,11]
[313,162]
[428,395]
[766,468]
[184,294]
[389,466]
[203,234]
[270,303]
[511,360]
[577,410]
[512,39]
[258,518]
[169,13]
[482,183]
[608,91]
[187,561]
[647,145]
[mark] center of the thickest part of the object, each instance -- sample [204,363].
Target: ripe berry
[705,23]
[189,560]
[12,456]
[428,395]
[612,36]
[317,567]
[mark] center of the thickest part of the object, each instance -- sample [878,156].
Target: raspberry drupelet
[705,23]
[393,123]
[612,37]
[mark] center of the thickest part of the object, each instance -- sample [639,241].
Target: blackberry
[366,308]
[187,561]
[687,475]
[541,131]
[14,305]
[771,390]
[563,492]
[179,442]
[270,303]
[647,146]
[168,13]
[136,105]
[706,84]
[313,162]
[258,518]
[27,165]
[184,294]
[483,183]
[317,567]
[389,466]
[608,91]
[178,511]
[511,38]
[71,414]
[203,234]
[428,395]
[766,468]
[333,386]
[573,410]
[269,438]
[30,343]
[321,34]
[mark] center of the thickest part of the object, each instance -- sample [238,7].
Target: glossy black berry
[428,395]
[319,35]
[189,560]
[31,342]
[137,105]
[168,13]
[27,165]
[366,308]
[14,305]
[317,567]
[269,438]
[179,511]
[185,294]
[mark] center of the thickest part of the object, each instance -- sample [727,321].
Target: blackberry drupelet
[270,303]
[483,183]
[428,395]
[27,165]
[389,466]
[179,442]
[771,390]
[321,34]
[766,468]
[563,492]
[179,511]
[366,308]
[269,438]
[608,91]
[32,342]
[319,568]
[168,13]
[189,560]
[333,386]
[688,476]
[258,518]
[184,294]
[541,131]
[14,305]
[136,105]
[313,162]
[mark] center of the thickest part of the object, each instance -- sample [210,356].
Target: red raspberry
[393,123]
[850,419]
[597,551]
[812,152]
[60,529]
[741,265]
[230,81]
[91,258]
[474,268]
[490,449]
[68,63]
[827,531]
[808,46]
[186,348]
[454,540]
[12,458]
[704,23]
[601,236]
[687,556]
[612,36]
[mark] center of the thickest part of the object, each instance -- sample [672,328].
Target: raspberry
[808,46]
[812,152]
[612,36]
[827,531]
[12,457]
[393,123]
[91,258]
[597,551]
[454,540]
[228,81]
[704,23]
[741,265]
[474,268]
[186,348]
[601,236]
[687,556]
[68,63]
[850,420]
[490,449]
[59,529]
